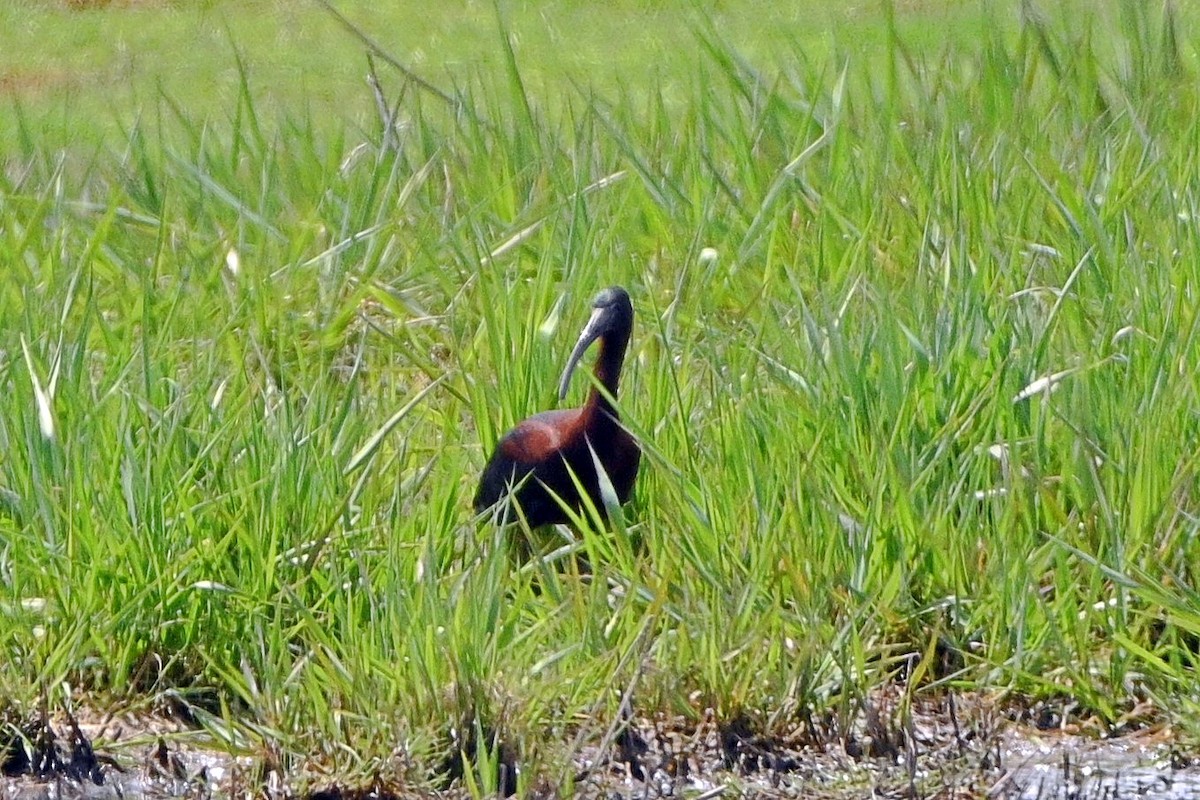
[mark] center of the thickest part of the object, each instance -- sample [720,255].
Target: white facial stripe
[592,322]
[597,313]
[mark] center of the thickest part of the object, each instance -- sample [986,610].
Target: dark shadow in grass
[465,742]
[632,748]
[744,750]
[371,792]
[37,750]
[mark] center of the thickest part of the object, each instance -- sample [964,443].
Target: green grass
[70,69]
[218,501]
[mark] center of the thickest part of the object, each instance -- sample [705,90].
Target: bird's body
[535,460]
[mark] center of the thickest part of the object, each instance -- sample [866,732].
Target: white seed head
[210,586]
[1043,385]
[41,398]
[218,394]
[550,323]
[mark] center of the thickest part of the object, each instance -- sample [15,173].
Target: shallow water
[1038,765]
[196,773]
[1009,761]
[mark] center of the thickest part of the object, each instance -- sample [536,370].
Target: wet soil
[53,757]
[947,747]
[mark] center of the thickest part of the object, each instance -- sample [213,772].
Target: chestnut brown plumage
[533,462]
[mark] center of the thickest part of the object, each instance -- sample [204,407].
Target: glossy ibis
[533,462]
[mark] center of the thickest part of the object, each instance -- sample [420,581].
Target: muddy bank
[946,747]
[62,757]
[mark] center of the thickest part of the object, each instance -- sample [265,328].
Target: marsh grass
[933,393]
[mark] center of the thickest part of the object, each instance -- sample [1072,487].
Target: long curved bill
[591,332]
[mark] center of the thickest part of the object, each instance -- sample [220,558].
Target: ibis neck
[608,371]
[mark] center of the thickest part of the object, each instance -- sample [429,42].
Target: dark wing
[533,443]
